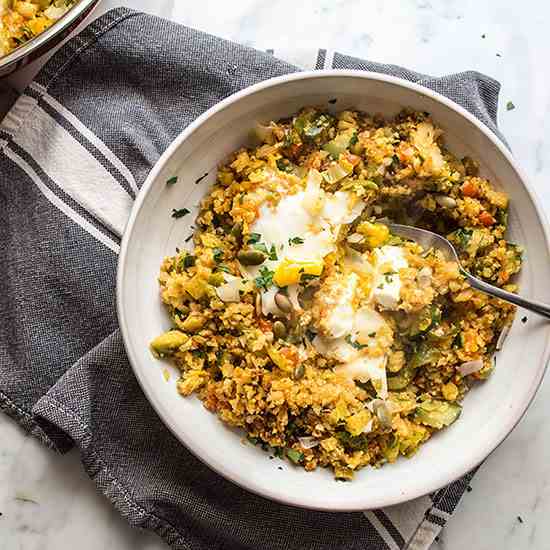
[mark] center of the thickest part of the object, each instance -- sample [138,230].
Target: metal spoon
[427,239]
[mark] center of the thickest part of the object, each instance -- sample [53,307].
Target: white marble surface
[437,37]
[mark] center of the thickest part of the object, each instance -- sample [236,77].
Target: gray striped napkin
[74,151]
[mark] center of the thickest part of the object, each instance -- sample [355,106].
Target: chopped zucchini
[437,414]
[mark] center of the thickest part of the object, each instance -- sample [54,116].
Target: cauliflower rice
[299,318]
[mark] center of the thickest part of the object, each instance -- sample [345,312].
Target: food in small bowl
[163,219]
[301,319]
[21,20]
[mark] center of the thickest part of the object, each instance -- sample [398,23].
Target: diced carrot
[486,219]
[265,326]
[469,189]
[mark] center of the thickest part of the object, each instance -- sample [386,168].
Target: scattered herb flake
[273,253]
[353,140]
[189,238]
[520,519]
[524,320]
[499,55]
[198,180]
[469,489]
[483,35]
[217,255]
[254,238]
[510,106]
[179,212]
[353,343]
[279,467]
[332,101]
[295,240]
[223,267]
[172,180]
[372,334]
[23,498]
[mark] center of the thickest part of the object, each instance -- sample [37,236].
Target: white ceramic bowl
[491,409]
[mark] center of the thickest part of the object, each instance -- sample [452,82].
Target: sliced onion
[308,442]
[264,133]
[470,367]
[229,292]
[502,336]
[425,276]
[368,428]
[382,411]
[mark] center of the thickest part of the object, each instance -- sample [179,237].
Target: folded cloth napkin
[75,149]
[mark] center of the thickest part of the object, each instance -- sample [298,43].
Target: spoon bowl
[428,239]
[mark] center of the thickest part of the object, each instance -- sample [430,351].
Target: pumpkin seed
[283,302]
[299,372]
[279,330]
[251,257]
[237,231]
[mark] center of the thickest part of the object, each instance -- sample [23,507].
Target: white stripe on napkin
[58,203]
[88,134]
[388,539]
[74,170]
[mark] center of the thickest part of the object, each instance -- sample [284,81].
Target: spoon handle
[531,305]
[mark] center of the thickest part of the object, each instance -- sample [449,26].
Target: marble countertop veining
[48,503]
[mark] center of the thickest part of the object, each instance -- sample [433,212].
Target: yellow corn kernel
[376,233]
[289,272]
[39,24]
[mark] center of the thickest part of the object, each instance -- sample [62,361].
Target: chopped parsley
[198,180]
[265,279]
[510,106]
[254,238]
[217,255]
[295,456]
[172,180]
[189,238]
[353,140]
[295,240]
[179,212]
[372,334]
[273,253]
[354,344]
[332,101]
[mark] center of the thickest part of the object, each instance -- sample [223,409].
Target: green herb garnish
[265,279]
[284,165]
[295,240]
[179,212]
[254,238]
[354,344]
[217,255]
[273,253]
[510,106]
[172,180]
